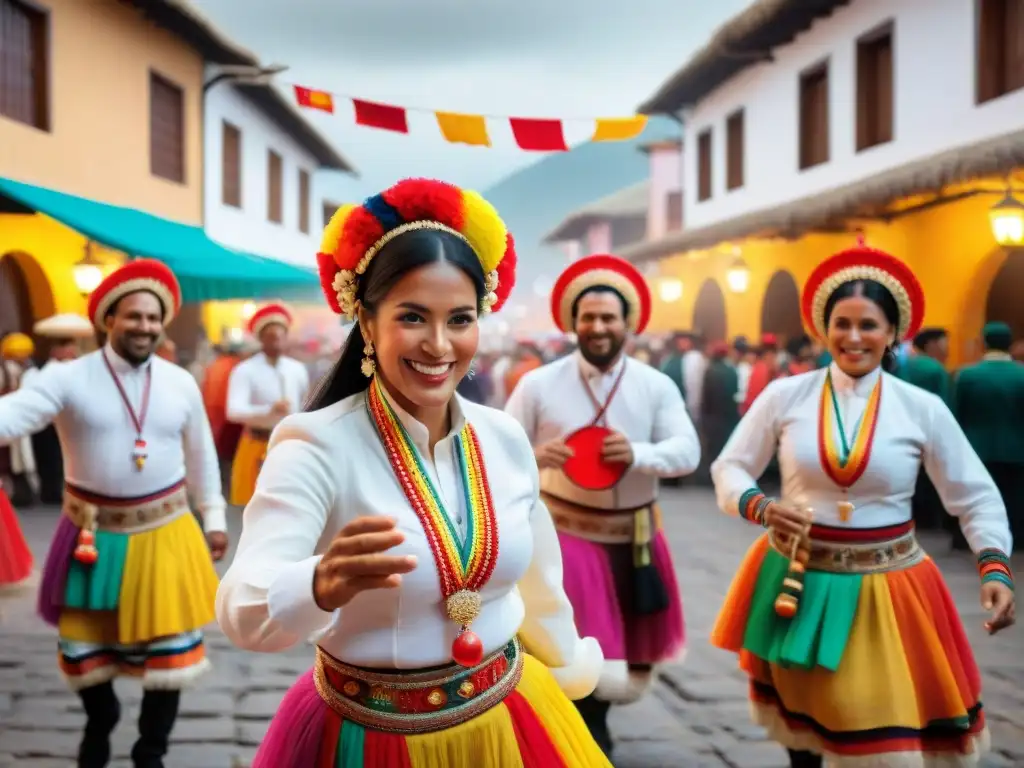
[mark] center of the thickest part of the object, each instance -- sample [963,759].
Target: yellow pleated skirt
[245,467]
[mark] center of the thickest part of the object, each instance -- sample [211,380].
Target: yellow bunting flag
[619,128]
[463,129]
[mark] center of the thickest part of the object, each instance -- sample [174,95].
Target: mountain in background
[532,201]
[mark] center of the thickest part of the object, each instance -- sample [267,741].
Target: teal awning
[207,271]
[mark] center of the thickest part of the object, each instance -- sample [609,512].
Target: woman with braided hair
[399,526]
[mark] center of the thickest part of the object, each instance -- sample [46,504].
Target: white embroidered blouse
[328,467]
[914,429]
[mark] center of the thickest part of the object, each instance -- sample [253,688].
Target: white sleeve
[240,406]
[962,482]
[31,409]
[675,448]
[748,452]
[265,601]
[522,406]
[548,630]
[201,462]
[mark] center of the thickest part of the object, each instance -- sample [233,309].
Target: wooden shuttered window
[734,146]
[275,192]
[1000,49]
[231,161]
[166,129]
[704,160]
[814,117]
[674,211]
[24,64]
[304,195]
[875,88]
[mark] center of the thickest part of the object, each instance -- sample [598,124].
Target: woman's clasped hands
[357,560]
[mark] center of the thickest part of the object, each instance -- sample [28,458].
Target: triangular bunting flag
[383,116]
[463,129]
[619,128]
[538,135]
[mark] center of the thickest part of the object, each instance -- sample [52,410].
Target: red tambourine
[585,467]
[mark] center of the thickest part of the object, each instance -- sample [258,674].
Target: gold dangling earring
[369,364]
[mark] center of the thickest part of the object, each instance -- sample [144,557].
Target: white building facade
[796,124]
[261,167]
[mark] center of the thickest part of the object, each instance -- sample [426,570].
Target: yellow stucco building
[111,111]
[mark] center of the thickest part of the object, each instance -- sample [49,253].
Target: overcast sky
[527,58]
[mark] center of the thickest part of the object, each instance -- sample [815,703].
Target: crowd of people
[473,545]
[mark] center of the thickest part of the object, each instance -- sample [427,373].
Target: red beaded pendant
[467,650]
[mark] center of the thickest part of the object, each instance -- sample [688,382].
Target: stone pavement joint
[696,717]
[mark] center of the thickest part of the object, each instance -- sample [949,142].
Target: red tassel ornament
[85,551]
[468,649]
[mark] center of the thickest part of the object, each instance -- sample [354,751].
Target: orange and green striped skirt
[875,665]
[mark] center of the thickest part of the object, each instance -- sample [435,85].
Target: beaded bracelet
[753,504]
[994,565]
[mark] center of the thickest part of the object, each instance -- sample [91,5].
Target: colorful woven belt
[839,556]
[87,510]
[603,526]
[417,702]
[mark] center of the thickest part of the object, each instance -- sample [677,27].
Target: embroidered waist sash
[604,526]
[852,550]
[417,702]
[92,511]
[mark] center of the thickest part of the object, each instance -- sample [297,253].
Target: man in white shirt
[605,429]
[64,334]
[128,580]
[261,391]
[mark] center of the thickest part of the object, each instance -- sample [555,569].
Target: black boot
[102,711]
[801,759]
[159,711]
[595,716]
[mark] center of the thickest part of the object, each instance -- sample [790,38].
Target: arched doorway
[1003,303]
[709,312]
[15,302]
[780,308]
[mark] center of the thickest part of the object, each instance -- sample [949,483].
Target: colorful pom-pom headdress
[607,271]
[863,263]
[357,233]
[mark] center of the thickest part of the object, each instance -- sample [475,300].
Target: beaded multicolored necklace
[463,568]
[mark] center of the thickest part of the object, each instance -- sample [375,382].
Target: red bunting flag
[538,135]
[322,100]
[383,116]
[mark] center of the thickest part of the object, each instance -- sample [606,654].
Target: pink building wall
[599,237]
[666,163]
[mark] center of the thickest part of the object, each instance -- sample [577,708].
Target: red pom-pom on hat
[427,200]
[506,273]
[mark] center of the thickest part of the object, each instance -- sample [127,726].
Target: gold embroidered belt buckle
[845,557]
[129,517]
[615,526]
[417,702]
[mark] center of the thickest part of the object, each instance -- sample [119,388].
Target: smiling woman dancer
[400,527]
[852,642]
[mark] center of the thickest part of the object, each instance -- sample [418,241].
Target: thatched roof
[746,39]
[625,203]
[868,198]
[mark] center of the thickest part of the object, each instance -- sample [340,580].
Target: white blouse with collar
[327,467]
[97,435]
[915,428]
[256,384]
[551,402]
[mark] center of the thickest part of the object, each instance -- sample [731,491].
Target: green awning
[206,270]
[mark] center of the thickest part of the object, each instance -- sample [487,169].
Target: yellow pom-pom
[332,232]
[484,229]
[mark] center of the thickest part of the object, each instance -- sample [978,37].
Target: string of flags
[531,134]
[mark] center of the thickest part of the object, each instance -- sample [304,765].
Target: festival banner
[531,134]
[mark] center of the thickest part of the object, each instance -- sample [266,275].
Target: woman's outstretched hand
[356,561]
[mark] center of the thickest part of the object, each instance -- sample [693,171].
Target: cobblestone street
[697,717]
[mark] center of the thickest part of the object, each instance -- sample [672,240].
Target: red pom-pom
[427,199]
[328,269]
[467,650]
[360,231]
[86,554]
[506,273]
